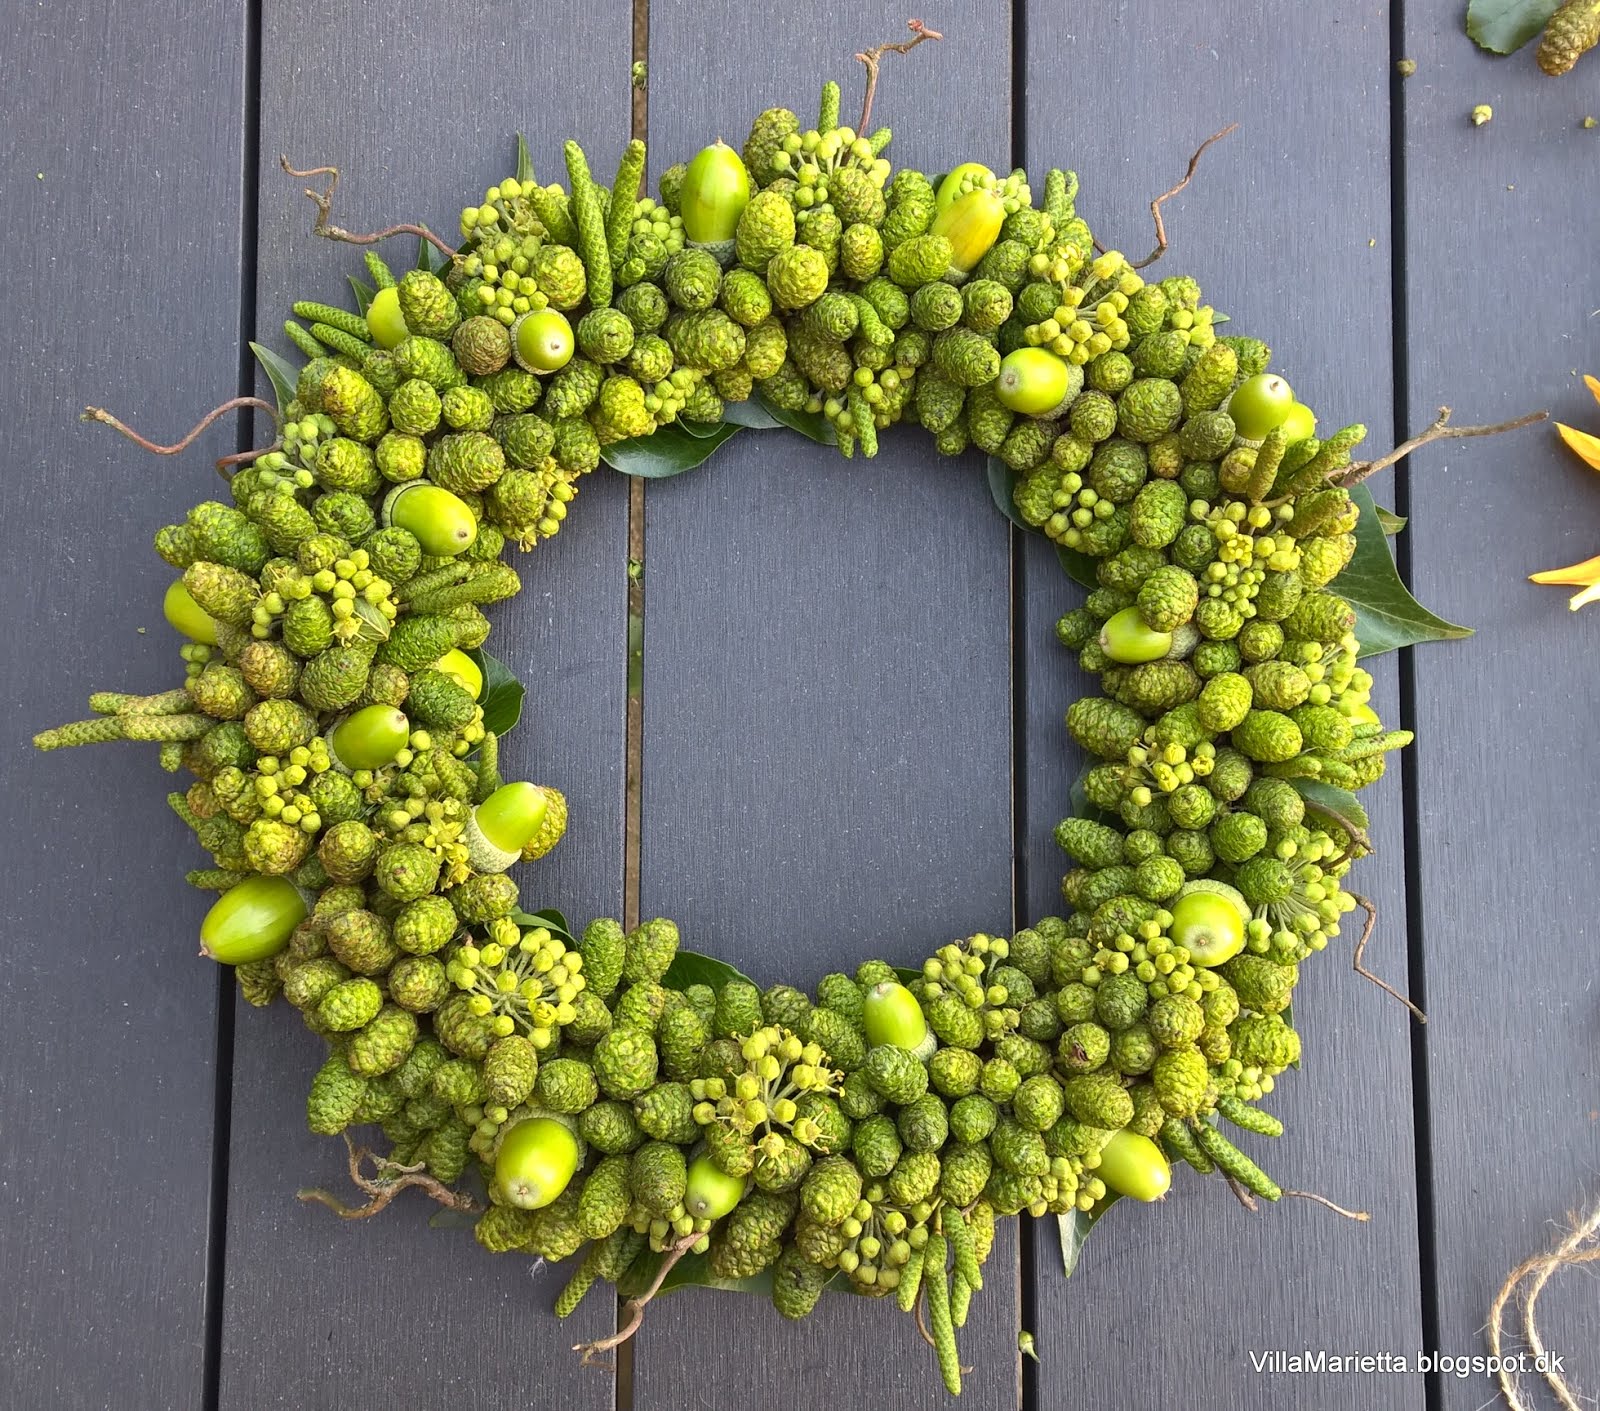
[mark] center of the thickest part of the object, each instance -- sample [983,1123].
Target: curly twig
[233,404]
[1241,1194]
[388,1180]
[1356,833]
[323,200]
[634,1307]
[1441,430]
[872,57]
[1165,196]
[1360,1215]
[1371,908]
[922,1324]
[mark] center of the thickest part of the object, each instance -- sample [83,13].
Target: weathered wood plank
[126,298]
[1506,848]
[421,115]
[826,687]
[1287,228]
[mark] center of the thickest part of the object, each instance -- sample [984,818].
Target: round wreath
[619,1098]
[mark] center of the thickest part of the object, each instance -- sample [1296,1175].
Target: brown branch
[323,200]
[922,1326]
[1165,196]
[388,1180]
[243,457]
[1371,908]
[105,418]
[1243,1196]
[634,1307]
[1441,430]
[1360,1215]
[872,57]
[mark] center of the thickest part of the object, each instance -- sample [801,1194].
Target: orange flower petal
[1578,574]
[1586,446]
[1588,595]
[1593,384]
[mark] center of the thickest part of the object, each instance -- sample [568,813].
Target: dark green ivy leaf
[502,693]
[280,373]
[1387,616]
[1503,26]
[670,451]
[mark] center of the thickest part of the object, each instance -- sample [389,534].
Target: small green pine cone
[354,404]
[1210,380]
[896,1073]
[221,592]
[466,463]
[641,1006]
[955,1072]
[965,357]
[1038,1103]
[1104,728]
[876,1146]
[649,950]
[766,228]
[335,1097]
[610,1128]
[502,1229]
[482,345]
[604,1198]
[797,1283]
[223,693]
[343,464]
[841,1040]
[415,408]
[1099,1100]
[1318,617]
[424,925]
[1182,1080]
[680,1036]
[1261,984]
[666,1113]
[428,308]
[1267,736]
[738,1010]
[510,1069]
[603,947]
[924,1124]
[1159,512]
[1224,701]
[566,1085]
[830,1190]
[1083,1048]
[750,1239]
[796,277]
[406,871]
[382,1046]
[1148,408]
[467,409]
[658,1177]
[225,535]
[418,983]
[625,1062]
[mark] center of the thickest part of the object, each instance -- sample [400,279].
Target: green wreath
[607,1096]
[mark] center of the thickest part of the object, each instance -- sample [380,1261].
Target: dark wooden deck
[851,735]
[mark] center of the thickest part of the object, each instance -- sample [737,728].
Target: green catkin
[866,428]
[590,221]
[214,879]
[1248,1118]
[1265,471]
[164,727]
[303,340]
[554,213]
[499,583]
[172,756]
[828,108]
[577,1286]
[910,1280]
[378,272]
[339,341]
[342,319]
[960,1299]
[1333,456]
[1057,197]
[1179,1139]
[624,196]
[964,1252]
[1235,1163]
[488,767]
[81,732]
[446,575]
[937,1284]
[880,140]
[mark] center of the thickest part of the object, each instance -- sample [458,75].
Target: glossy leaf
[1075,1227]
[502,693]
[1002,481]
[1503,26]
[1338,801]
[812,425]
[552,920]
[670,451]
[524,161]
[701,429]
[1387,616]
[691,968]
[282,374]
[1078,566]
[1392,523]
[751,413]
[364,293]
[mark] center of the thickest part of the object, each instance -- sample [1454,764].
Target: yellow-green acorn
[541,341]
[716,189]
[1208,920]
[711,1192]
[1032,380]
[503,824]
[384,319]
[186,616]
[252,920]
[443,524]
[971,224]
[1134,1165]
[891,1015]
[950,187]
[458,664]
[370,737]
[537,1159]
[1127,638]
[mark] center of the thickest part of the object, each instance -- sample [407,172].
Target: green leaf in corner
[1078,566]
[280,373]
[552,920]
[502,693]
[1340,802]
[670,451]
[702,429]
[1387,616]
[424,254]
[364,293]
[812,425]
[752,413]
[1075,1227]
[1002,481]
[691,968]
[1392,523]
[1503,26]
[524,161]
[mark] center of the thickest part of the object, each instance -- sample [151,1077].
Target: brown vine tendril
[323,200]
[1371,908]
[1361,1216]
[1441,430]
[873,57]
[388,1180]
[1165,196]
[105,418]
[634,1307]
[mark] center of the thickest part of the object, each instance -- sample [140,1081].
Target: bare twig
[233,404]
[1371,908]
[1441,430]
[1241,1194]
[872,57]
[323,200]
[922,1326]
[244,457]
[1360,1215]
[634,1307]
[388,1180]
[1165,196]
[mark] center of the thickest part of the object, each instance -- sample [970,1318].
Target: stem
[389,1180]
[1360,1215]
[1371,908]
[1165,196]
[101,415]
[1357,834]
[1243,1196]
[323,200]
[1441,430]
[872,57]
[634,1307]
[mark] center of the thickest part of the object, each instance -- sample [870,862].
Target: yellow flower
[1585,575]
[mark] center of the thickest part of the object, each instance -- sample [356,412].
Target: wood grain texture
[1507,849]
[1286,226]
[123,298]
[421,119]
[827,742]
